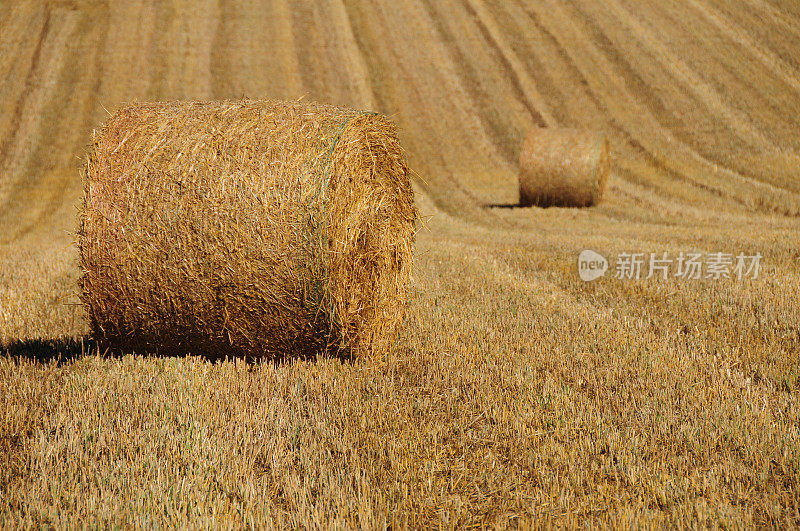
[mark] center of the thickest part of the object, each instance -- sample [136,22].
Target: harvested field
[517,394]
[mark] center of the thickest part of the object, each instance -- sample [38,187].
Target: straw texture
[563,167]
[255,228]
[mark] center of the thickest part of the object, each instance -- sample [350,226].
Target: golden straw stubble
[255,228]
[563,167]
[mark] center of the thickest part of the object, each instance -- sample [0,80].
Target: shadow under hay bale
[563,167]
[62,349]
[254,228]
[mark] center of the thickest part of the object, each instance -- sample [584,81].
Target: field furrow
[517,394]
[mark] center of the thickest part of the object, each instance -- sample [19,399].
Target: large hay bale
[255,228]
[563,167]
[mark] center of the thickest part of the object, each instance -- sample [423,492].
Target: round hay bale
[254,228]
[563,167]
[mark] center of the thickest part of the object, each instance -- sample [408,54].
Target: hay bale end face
[563,167]
[255,228]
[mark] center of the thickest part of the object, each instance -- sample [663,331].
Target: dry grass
[479,417]
[517,394]
[563,167]
[259,228]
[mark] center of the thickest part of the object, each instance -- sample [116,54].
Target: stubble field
[518,394]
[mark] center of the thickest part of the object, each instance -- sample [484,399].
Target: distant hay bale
[563,167]
[255,228]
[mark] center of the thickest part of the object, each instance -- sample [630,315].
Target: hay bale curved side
[256,228]
[563,167]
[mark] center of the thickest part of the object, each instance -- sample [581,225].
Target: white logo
[591,265]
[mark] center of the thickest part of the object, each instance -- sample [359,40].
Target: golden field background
[518,394]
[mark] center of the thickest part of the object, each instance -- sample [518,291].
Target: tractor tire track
[639,87]
[524,86]
[680,71]
[738,34]
[27,122]
[770,103]
[54,164]
[658,106]
[485,92]
[429,100]
[631,147]
[28,86]
[641,125]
